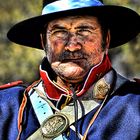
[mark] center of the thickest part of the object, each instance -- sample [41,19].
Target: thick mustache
[72,55]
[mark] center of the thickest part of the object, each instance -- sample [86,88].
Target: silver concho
[55,125]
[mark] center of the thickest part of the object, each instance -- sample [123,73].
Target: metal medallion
[101,89]
[55,125]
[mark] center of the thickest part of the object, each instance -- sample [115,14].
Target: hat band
[62,5]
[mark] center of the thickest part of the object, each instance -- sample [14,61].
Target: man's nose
[73,44]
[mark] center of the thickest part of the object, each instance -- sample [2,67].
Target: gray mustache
[72,55]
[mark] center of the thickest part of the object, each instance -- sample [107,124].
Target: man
[79,94]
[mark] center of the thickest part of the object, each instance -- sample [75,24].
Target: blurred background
[22,63]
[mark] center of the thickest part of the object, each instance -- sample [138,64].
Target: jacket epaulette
[12,84]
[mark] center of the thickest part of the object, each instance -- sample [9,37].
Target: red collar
[54,92]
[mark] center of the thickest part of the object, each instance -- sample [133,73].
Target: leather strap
[42,111]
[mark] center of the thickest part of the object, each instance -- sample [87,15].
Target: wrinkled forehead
[73,20]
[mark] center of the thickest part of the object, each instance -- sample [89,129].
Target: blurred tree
[18,62]
[126,58]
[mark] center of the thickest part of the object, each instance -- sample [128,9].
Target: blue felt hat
[124,23]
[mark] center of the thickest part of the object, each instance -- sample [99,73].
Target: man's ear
[108,37]
[42,42]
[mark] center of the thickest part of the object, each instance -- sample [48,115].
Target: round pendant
[55,125]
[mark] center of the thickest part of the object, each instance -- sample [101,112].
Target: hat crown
[45,2]
[53,6]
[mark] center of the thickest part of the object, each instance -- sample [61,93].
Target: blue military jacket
[119,119]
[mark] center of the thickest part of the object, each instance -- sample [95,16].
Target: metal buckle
[54,125]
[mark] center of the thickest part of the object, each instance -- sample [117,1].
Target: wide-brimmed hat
[124,23]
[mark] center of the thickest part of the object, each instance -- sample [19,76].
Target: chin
[73,79]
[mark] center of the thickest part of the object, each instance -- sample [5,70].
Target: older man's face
[74,46]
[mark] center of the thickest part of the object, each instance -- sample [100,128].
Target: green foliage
[22,63]
[17,62]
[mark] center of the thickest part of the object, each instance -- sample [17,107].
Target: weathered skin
[74,46]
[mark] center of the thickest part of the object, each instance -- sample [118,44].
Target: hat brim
[124,25]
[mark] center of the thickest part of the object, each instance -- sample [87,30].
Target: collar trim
[54,92]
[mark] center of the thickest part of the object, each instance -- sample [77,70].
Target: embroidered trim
[20,114]
[11,84]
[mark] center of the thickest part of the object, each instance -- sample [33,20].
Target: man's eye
[84,32]
[59,33]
